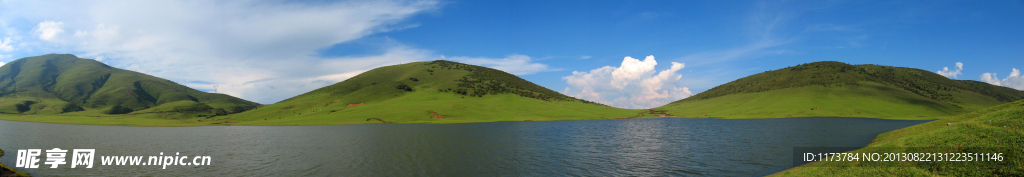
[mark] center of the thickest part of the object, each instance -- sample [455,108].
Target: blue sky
[270,50]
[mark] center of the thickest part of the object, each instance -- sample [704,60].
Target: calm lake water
[631,147]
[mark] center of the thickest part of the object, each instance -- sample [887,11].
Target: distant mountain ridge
[63,83]
[925,88]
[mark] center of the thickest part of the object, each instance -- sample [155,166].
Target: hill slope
[996,129]
[63,84]
[839,89]
[436,92]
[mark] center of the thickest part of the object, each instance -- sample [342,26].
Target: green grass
[864,100]
[412,107]
[836,74]
[8,171]
[835,89]
[1000,126]
[416,107]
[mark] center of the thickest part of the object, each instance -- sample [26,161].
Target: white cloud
[256,50]
[5,45]
[635,84]
[952,73]
[1015,80]
[586,57]
[631,70]
[990,78]
[136,68]
[48,30]
[514,64]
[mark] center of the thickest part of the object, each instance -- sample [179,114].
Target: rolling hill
[831,88]
[427,92]
[68,86]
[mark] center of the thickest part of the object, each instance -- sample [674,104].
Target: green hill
[427,92]
[997,129]
[65,85]
[838,89]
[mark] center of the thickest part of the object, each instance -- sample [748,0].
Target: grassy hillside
[839,89]
[427,92]
[65,85]
[997,129]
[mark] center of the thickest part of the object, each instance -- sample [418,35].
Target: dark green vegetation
[838,89]
[486,81]
[427,92]
[66,86]
[6,171]
[997,129]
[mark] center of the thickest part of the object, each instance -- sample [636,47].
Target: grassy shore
[6,171]
[413,107]
[999,128]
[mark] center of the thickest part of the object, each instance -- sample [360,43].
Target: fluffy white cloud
[514,64]
[48,30]
[990,78]
[631,70]
[634,84]
[1015,80]
[5,45]
[952,73]
[264,51]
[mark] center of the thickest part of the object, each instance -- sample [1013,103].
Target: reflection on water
[632,147]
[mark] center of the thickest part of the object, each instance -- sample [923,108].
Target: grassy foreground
[6,171]
[999,128]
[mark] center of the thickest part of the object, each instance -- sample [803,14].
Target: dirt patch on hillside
[357,104]
[437,116]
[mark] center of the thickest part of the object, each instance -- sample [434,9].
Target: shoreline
[6,171]
[146,122]
[993,127]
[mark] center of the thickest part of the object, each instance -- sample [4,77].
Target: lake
[621,147]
